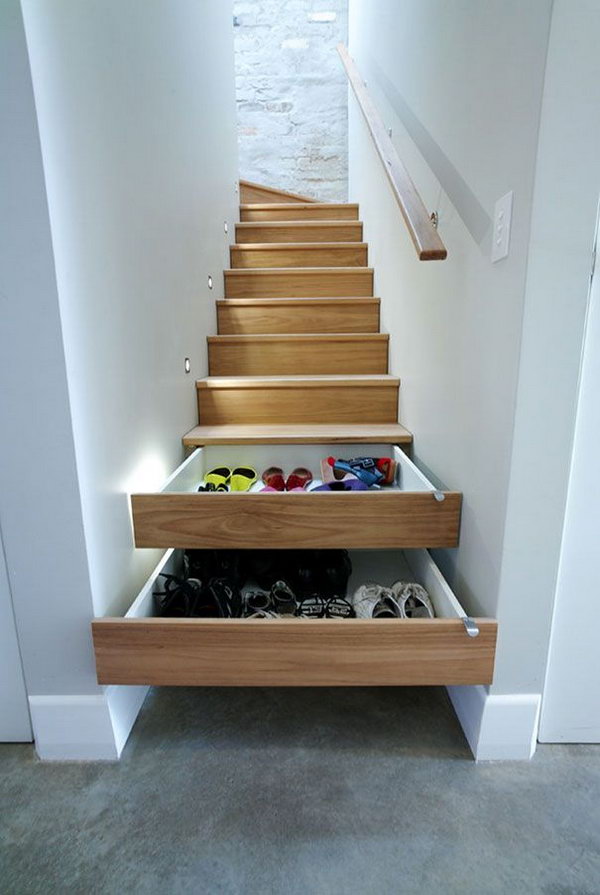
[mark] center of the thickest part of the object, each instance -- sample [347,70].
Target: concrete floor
[302,792]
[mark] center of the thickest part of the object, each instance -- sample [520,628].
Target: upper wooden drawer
[412,513]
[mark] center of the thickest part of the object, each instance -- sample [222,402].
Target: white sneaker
[413,600]
[371,600]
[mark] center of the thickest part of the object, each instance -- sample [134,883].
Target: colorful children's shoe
[352,484]
[273,478]
[299,479]
[216,480]
[242,478]
[364,468]
[330,474]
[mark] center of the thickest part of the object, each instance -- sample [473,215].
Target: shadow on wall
[291,91]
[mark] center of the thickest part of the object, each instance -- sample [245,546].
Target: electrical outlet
[502,221]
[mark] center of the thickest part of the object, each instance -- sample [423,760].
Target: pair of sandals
[189,598]
[370,471]
[224,479]
[275,480]
[281,601]
[404,599]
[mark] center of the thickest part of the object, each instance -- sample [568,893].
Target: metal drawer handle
[470,627]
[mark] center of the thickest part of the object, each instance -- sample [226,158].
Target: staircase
[298,367]
[298,356]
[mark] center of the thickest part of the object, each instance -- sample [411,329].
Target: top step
[299,211]
[256,192]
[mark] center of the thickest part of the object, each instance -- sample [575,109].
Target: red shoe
[273,478]
[298,479]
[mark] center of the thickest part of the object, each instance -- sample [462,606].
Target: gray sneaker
[371,600]
[412,600]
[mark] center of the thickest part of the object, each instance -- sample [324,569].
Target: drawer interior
[383,566]
[288,456]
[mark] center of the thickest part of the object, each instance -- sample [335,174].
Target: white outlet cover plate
[501,232]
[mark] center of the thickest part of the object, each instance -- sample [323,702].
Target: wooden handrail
[426,239]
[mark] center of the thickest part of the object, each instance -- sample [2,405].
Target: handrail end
[433,254]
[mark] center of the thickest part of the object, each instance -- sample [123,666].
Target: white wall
[571,704]
[135,107]
[443,68]
[40,504]
[291,95]
[135,104]
[563,225]
[484,99]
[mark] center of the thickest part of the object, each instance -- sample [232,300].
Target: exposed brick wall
[292,95]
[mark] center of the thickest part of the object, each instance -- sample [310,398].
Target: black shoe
[311,607]
[262,567]
[283,599]
[179,597]
[227,596]
[335,570]
[257,603]
[207,564]
[338,607]
[302,572]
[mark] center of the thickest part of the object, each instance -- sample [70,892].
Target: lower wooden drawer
[449,649]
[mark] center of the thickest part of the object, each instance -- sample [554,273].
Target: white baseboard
[497,728]
[85,728]
[550,733]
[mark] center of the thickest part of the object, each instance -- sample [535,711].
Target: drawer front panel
[293,652]
[321,520]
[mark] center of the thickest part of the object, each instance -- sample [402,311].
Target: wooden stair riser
[298,212]
[294,403]
[303,255]
[297,355]
[300,315]
[314,282]
[299,231]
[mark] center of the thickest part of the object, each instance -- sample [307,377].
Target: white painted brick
[292,101]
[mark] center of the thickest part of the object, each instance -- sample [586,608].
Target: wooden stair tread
[300,225]
[299,300]
[300,337]
[363,380]
[311,206]
[278,271]
[295,246]
[315,433]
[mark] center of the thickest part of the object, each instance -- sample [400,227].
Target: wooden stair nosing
[232,338]
[363,380]
[293,271]
[300,301]
[375,433]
